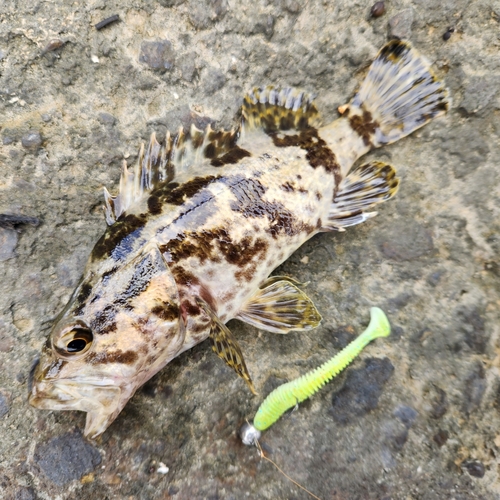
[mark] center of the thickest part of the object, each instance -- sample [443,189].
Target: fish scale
[203,219]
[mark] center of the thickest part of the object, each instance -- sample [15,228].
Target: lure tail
[288,395]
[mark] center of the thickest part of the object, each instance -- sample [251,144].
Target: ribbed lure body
[288,395]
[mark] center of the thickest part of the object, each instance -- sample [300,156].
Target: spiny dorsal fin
[185,153]
[280,307]
[226,346]
[273,109]
[366,186]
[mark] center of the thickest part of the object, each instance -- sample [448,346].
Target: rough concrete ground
[418,415]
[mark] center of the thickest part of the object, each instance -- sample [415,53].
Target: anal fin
[364,187]
[226,346]
[279,306]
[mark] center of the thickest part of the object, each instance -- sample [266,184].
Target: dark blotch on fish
[231,157]
[104,321]
[318,153]
[180,194]
[166,311]
[116,233]
[84,294]
[118,356]
[364,126]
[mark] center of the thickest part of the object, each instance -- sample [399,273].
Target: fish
[202,220]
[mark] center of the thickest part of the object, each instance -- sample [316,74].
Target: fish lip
[100,398]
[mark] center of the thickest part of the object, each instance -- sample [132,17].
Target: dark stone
[361,391]
[31,140]
[406,414]
[441,437]
[66,458]
[475,468]
[400,24]
[474,388]
[473,326]
[25,494]
[406,241]
[378,9]
[8,243]
[157,55]
[4,405]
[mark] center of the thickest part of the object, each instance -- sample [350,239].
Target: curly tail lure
[291,393]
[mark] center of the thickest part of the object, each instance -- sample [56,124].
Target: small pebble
[378,9]
[475,468]
[162,469]
[31,140]
[447,34]
[53,45]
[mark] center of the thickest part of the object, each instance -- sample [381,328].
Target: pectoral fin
[365,186]
[226,346]
[279,307]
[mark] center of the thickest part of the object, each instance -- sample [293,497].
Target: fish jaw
[101,400]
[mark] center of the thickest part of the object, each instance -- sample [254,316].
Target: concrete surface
[418,415]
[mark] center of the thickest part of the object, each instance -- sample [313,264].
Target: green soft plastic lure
[288,395]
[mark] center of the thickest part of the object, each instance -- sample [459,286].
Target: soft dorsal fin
[185,153]
[274,109]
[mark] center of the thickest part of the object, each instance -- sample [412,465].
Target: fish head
[121,326]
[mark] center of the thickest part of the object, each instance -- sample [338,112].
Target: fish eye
[82,338]
[74,340]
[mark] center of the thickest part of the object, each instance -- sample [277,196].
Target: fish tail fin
[399,95]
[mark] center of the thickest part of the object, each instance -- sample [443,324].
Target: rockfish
[202,220]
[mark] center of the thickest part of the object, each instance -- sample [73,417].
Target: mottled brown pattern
[183,277]
[118,356]
[185,191]
[231,157]
[166,311]
[364,126]
[212,244]
[318,153]
[116,234]
[104,321]
[154,205]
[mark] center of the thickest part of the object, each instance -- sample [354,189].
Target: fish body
[205,217]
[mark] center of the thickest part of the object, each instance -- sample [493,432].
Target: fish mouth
[99,398]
